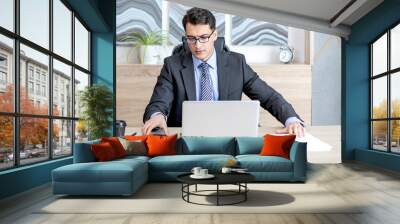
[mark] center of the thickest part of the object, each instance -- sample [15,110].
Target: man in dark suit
[210,72]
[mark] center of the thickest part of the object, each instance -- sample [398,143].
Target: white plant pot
[150,54]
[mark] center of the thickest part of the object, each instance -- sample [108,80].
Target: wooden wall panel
[135,85]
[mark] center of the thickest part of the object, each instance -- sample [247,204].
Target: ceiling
[325,16]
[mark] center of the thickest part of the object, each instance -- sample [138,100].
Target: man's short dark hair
[199,16]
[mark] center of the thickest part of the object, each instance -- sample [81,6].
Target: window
[62,140]
[6,74]
[62,74]
[395,47]
[81,81]
[30,72]
[35,22]
[62,29]
[37,75]
[3,72]
[81,45]
[385,94]
[38,89]
[30,87]
[43,90]
[53,125]
[6,142]
[7,14]
[33,149]
[3,61]
[3,81]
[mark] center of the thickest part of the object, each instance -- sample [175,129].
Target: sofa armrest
[298,155]
[83,152]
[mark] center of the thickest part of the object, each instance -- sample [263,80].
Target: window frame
[15,68]
[388,74]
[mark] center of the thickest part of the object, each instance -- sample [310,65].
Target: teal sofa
[125,176]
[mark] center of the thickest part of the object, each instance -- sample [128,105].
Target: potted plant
[149,45]
[96,102]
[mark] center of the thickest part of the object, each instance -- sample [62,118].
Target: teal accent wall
[355,135]
[24,178]
[99,16]
[103,53]
[103,68]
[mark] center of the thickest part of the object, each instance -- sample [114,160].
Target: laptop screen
[220,118]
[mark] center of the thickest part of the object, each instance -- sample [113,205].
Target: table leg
[217,194]
[245,191]
[188,190]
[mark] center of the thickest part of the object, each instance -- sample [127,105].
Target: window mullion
[73,82]
[50,81]
[16,84]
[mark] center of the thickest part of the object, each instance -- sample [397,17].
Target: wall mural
[137,16]
[146,15]
[252,32]
[176,13]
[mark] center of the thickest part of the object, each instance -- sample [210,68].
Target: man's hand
[294,128]
[155,121]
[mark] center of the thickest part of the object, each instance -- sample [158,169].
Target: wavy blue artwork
[138,16]
[146,15]
[176,31]
[252,32]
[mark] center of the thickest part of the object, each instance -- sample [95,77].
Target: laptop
[220,118]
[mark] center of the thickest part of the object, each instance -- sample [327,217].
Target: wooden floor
[377,188]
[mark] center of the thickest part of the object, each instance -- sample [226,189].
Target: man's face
[202,51]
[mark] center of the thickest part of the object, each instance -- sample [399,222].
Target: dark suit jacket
[176,83]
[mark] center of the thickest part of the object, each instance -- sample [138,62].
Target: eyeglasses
[202,39]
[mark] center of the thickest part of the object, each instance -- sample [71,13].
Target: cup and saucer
[200,173]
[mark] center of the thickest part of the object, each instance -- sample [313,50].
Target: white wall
[326,79]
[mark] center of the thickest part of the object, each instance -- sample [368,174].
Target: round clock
[286,54]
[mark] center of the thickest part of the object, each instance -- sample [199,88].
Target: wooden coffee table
[238,179]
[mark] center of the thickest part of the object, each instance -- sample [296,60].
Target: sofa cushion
[134,147]
[116,145]
[277,145]
[189,145]
[83,152]
[185,163]
[103,152]
[161,145]
[249,145]
[111,171]
[131,158]
[257,163]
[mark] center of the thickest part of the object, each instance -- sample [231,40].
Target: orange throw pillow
[161,145]
[103,152]
[116,145]
[277,145]
[135,137]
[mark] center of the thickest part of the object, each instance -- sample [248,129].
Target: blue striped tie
[206,88]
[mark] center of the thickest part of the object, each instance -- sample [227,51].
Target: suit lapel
[223,84]
[187,74]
